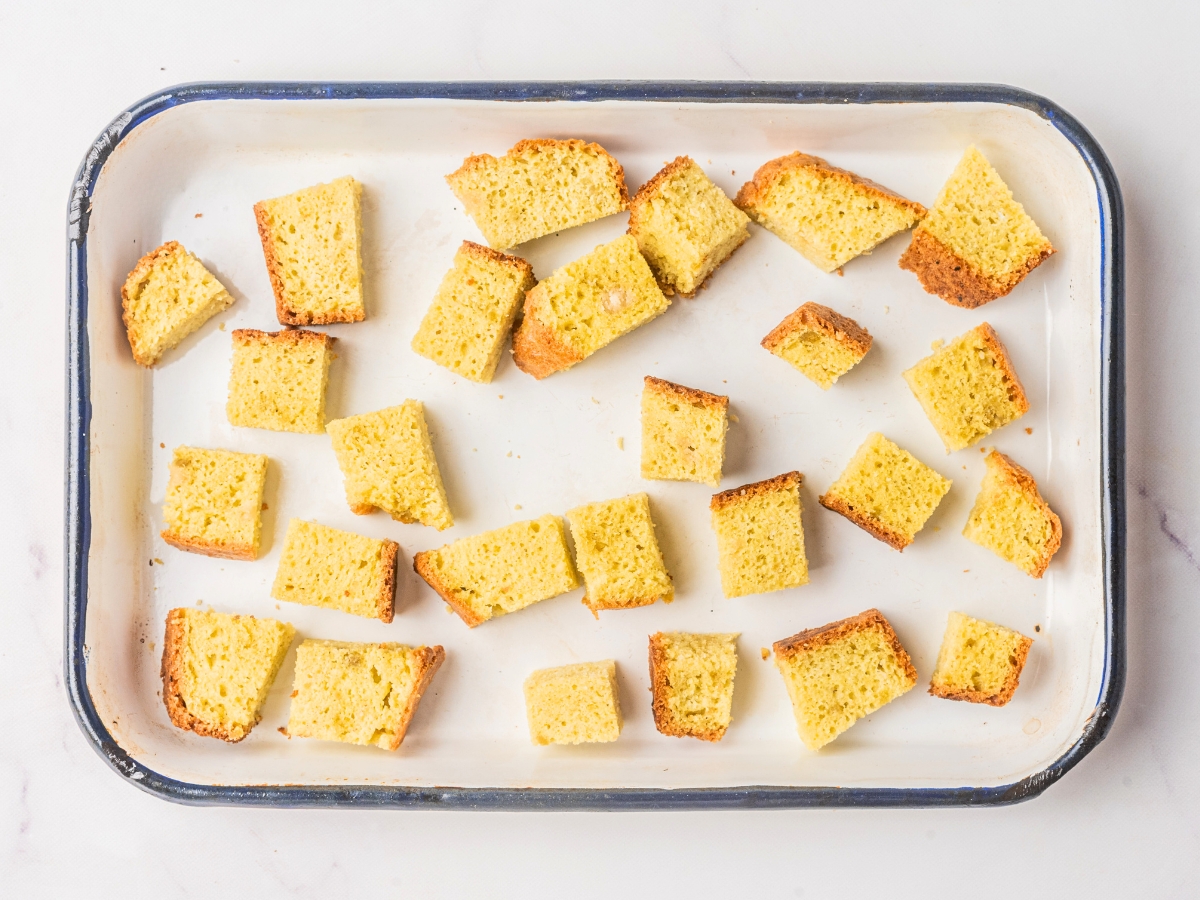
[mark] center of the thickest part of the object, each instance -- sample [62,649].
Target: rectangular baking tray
[188,164]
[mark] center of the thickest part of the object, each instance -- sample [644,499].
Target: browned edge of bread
[820,318]
[385,606]
[487,254]
[630,603]
[956,280]
[536,349]
[245,552]
[754,191]
[659,687]
[1016,392]
[140,271]
[429,660]
[422,567]
[1020,478]
[871,526]
[172,665]
[481,159]
[999,698]
[362,509]
[686,394]
[734,496]
[813,638]
[287,336]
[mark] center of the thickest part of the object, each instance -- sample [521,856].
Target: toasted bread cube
[278,380]
[617,554]
[575,704]
[473,311]
[819,342]
[683,432]
[217,669]
[312,244]
[322,566]
[691,677]
[685,226]
[1012,520]
[760,538]
[979,662]
[214,502]
[387,460]
[841,672]
[359,693]
[167,296]
[500,571]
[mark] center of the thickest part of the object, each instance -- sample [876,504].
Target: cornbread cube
[473,311]
[217,669]
[574,704]
[977,242]
[819,342]
[387,460]
[968,388]
[1011,519]
[887,492]
[840,672]
[359,693]
[691,677]
[760,539]
[685,226]
[584,306]
[828,214]
[683,432]
[322,566]
[500,571]
[617,554]
[537,188]
[278,380]
[167,296]
[312,244]
[979,662]
[214,502]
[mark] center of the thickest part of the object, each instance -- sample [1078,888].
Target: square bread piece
[312,244]
[278,380]
[760,539]
[683,432]
[473,311]
[359,693]
[820,343]
[685,226]
[691,677]
[537,188]
[618,555]
[968,388]
[574,704]
[887,492]
[167,296]
[387,460]
[828,214]
[584,306]
[841,672]
[217,669]
[979,662]
[1011,519]
[322,566]
[500,571]
[214,502]
[977,242]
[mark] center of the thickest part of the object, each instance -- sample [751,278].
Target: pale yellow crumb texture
[760,537]
[692,683]
[574,704]
[278,380]
[323,566]
[978,657]
[683,433]
[213,502]
[1011,519]
[618,555]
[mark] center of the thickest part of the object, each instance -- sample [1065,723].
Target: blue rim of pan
[1112,409]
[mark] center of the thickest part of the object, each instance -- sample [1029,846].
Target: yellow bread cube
[584,306]
[977,242]
[217,669]
[618,555]
[387,460]
[979,662]
[683,432]
[278,380]
[887,492]
[685,226]
[214,502]
[691,677]
[471,315]
[322,566]
[500,571]
[760,539]
[359,693]
[841,672]
[575,704]
[312,244]
[819,342]
[167,296]
[1011,519]
[828,214]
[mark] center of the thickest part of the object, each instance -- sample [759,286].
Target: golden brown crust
[1020,478]
[288,336]
[245,552]
[999,698]
[487,254]
[820,318]
[536,349]
[686,394]
[171,673]
[872,619]
[139,274]
[386,604]
[956,280]
[753,192]
[429,660]
[623,604]
[481,160]
[1016,392]
[660,687]
[423,567]
[873,527]
[734,496]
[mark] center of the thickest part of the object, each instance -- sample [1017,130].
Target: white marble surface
[1124,823]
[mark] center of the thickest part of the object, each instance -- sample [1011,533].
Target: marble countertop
[1125,822]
